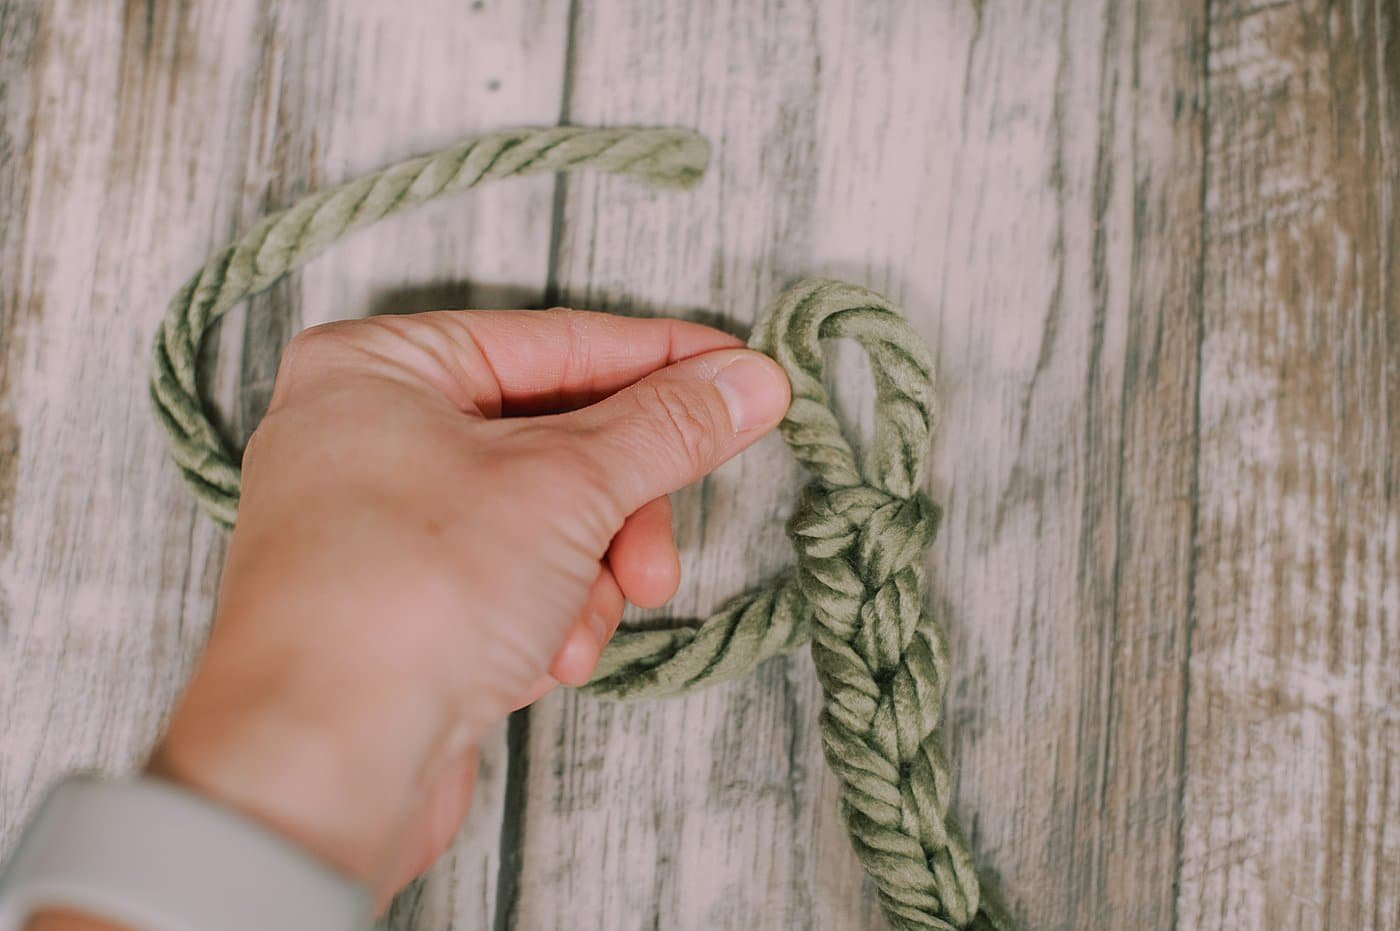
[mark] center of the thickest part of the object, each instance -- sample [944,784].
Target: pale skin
[443,517]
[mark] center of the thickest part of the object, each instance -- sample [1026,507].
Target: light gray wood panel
[1292,818]
[137,140]
[715,810]
[1154,256]
[107,578]
[1066,327]
[1025,179]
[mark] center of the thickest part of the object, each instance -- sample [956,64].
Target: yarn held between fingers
[859,590]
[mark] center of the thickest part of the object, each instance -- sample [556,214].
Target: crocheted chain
[861,527]
[860,530]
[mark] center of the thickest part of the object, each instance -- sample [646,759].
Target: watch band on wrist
[148,854]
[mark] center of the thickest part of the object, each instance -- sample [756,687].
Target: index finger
[549,361]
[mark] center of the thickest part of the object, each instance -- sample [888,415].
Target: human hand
[442,516]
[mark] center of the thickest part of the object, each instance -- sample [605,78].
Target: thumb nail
[755,391]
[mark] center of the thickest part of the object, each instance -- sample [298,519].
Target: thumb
[681,422]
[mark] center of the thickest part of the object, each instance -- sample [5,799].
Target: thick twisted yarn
[860,529]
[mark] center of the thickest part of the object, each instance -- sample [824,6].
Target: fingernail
[754,389]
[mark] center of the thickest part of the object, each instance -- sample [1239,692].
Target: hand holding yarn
[442,516]
[858,590]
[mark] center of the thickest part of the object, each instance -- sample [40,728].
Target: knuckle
[316,337]
[577,358]
[310,349]
[315,353]
[687,425]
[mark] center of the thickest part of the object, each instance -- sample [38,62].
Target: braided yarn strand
[861,527]
[860,530]
[673,158]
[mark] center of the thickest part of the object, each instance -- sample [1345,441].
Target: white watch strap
[149,855]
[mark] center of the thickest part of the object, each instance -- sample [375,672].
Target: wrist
[300,788]
[144,853]
[336,772]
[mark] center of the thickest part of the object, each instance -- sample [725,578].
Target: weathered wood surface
[1154,249]
[1291,814]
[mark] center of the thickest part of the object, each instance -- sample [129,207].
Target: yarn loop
[859,589]
[861,530]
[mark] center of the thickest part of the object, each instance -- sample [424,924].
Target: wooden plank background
[1153,246]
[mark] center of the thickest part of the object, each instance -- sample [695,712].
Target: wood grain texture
[1292,815]
[1152,246]
[1067,339]
[137,139]
[1011,177]
[715,810]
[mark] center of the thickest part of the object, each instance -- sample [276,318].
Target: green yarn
[859,590]
[288,239]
